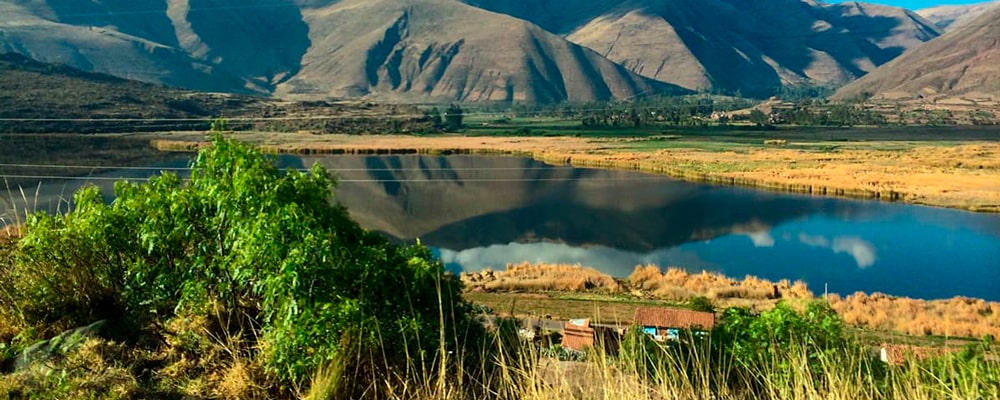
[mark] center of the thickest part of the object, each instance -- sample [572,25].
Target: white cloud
[814,241]
[608,260]
[861,250]
[761,239]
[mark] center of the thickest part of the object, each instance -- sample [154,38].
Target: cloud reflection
[608,260]
[861,250]
[761,239]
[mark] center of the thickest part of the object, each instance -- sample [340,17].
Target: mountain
[730,45]
[319,48]
[449,50]
[947,17]
[965,60]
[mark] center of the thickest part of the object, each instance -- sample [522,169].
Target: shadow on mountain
[145,19]
[273,37]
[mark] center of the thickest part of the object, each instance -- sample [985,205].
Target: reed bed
[959,316]
[541,277]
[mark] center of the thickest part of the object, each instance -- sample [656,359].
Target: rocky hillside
[449,50]
[949,17]
[730,45]
[752,46]
[465,50]
[319,49]
[965,61]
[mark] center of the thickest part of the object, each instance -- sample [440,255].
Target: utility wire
[101,167]
[403,180]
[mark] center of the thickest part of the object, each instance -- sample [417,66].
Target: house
[579,334]
[666,323]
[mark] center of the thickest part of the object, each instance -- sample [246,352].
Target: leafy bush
[752,339]
[269,246]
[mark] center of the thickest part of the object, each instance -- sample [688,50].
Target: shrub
[270,247]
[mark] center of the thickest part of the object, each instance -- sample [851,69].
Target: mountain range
[953,16]
[964,61]
[540,51]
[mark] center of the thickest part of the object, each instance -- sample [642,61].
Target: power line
[103,167]
[391,180]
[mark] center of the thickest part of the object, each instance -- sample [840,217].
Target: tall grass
[679,372]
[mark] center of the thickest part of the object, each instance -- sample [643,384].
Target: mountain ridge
[964,61]
[466,50]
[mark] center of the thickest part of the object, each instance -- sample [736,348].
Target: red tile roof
[673,318]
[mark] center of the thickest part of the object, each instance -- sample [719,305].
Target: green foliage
[67,272]
[764,347]
[268,246]
[640,354]
[754,340]
[757,117]
[701,303]
[453,118]
[218,125]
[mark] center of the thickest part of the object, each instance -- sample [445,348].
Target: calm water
[479,212]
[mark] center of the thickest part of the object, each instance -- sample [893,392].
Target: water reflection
[479,212]
[864,252]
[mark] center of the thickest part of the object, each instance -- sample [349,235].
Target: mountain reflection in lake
[483,212]
[478,212]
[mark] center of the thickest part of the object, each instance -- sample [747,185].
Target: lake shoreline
[959,176]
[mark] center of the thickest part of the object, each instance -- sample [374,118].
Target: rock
[57,346]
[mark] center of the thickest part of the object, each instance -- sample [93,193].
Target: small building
[666,323]
[579,334]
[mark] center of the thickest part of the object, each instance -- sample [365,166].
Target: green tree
[758,117]
[453,118]
[434,117]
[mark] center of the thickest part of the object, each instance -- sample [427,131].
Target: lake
[478,212]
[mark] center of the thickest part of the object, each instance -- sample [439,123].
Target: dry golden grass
[959,176]
[962,317]
[959,316]
[10,233]
[540,277]
[95,370]
[678,284]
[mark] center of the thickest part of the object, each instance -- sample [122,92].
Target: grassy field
[948,167]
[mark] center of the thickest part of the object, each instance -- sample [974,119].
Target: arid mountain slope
[752,46]
[394,49]
[730,45]
[318,48]
[950,17]
[215,45]
[964,61]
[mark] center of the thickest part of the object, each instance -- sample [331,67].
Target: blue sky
[918,4]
